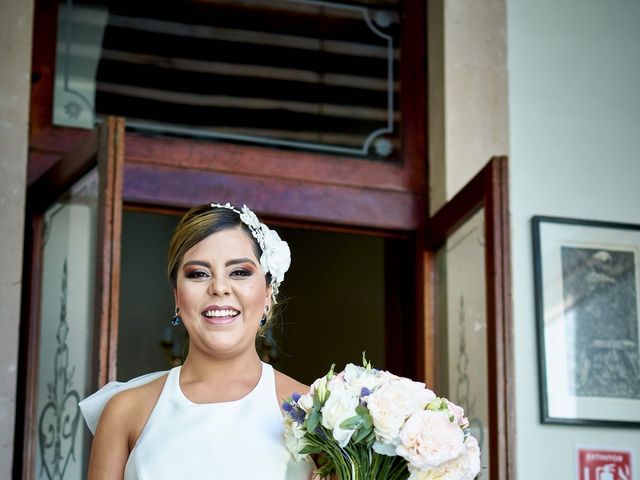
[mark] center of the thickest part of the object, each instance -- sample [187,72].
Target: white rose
[463,467]
[306,402]
[417,474]
[386,377]
[429,439]
[392,403]
[294,437]
[340,406]
[336,382]
[359,378]
[455,469]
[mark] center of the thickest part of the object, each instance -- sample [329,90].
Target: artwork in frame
[587,295]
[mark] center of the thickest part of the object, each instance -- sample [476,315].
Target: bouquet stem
[359,462]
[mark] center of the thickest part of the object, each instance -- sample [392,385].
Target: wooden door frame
[40,194]
[103,147]
[488,190]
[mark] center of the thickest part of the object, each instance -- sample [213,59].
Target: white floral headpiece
[276,256]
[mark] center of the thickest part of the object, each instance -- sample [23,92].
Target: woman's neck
[199,367]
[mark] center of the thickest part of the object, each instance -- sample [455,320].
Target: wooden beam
[267,162]
[172,186]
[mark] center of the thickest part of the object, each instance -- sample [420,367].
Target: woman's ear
[268,296]
[175,296]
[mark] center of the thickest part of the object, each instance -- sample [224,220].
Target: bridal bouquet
[370,424]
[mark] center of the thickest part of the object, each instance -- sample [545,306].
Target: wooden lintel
[166,186]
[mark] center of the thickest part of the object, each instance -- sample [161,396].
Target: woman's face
[222,293]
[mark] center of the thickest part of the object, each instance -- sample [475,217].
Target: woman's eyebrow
[196,262]
[236,261]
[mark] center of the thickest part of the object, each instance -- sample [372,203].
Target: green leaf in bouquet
[370,439]
[313,420]
[310,450]
[361,435]
[367,421]
[363,412]
[351,423]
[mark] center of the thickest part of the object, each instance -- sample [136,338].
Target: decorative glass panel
[462,325]
[66,332]
[300,74]
[80,31]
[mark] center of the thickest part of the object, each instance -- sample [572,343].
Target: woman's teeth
[221,313]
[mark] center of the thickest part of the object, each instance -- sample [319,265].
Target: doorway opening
[333,301]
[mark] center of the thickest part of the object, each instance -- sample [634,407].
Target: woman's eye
[240,272]
[197,274]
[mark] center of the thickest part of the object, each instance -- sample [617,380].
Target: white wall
[574,79]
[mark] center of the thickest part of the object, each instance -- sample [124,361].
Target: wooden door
[468,310]
[70,317]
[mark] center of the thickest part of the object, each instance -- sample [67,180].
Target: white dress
[242,439]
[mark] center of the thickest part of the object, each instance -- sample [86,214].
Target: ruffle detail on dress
[92,406]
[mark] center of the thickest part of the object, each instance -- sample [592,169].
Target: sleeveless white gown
[242,439]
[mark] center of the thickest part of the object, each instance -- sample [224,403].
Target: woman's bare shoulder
[287,386]
[120,425]
[140,396]
[131,408]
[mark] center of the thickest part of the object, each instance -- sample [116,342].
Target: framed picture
[587,295]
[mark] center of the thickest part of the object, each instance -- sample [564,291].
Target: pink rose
[429,438]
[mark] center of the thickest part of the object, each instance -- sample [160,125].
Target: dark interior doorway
[333,304]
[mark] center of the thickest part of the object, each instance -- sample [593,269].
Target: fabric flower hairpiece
[276,256]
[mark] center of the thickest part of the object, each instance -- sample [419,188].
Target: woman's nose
[218,286]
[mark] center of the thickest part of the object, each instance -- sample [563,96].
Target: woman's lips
[220,315]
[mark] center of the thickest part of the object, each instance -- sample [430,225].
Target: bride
[218,415]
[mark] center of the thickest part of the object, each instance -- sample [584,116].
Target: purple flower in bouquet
[367,423]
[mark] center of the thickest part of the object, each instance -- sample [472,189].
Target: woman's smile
[220,314]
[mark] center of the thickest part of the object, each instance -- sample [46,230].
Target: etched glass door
[72,211]
[468,246]
[66,330]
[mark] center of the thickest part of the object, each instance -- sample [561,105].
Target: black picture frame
[587,304]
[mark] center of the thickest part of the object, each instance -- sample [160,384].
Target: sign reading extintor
[604,464]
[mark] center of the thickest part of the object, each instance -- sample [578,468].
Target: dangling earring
[176,320]
[263,320]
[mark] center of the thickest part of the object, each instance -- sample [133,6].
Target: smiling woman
[222,294]
[218,415]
